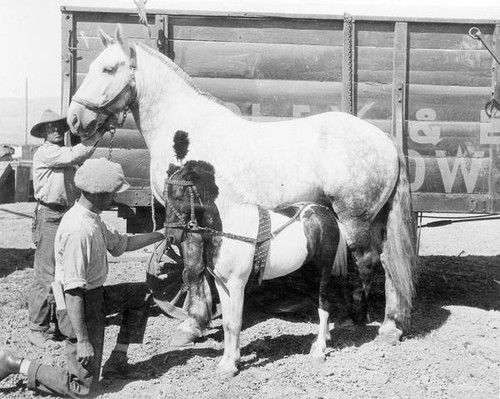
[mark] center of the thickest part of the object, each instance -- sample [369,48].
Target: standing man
[55,192]
[81,246]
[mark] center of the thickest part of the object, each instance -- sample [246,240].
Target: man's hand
[84,352]
[92,140]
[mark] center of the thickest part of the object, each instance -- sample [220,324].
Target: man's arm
[60,157]
[143,240]
[75,308]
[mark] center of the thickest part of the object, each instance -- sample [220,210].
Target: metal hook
[474,32]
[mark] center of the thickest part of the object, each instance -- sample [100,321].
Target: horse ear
[172,169]
[119,35]
[106,40]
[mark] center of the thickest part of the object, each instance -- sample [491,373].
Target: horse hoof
[318,360]
[390,337]
[227,373]
[183,338]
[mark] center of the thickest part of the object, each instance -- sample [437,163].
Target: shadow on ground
[12,259]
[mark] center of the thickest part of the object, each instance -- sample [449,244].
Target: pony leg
[318,347]
[232,316]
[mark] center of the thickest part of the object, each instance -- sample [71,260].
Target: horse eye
[108,69]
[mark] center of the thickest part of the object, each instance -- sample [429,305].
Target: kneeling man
[81,246]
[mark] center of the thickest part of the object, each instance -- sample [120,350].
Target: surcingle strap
[262,246]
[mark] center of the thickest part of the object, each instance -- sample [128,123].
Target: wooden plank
[458,203]
[446,36]
[88,22]
[448,60]
[249,30]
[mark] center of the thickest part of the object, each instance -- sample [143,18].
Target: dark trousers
[132,301]
[41,300]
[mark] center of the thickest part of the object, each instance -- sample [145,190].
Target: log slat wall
[267,68]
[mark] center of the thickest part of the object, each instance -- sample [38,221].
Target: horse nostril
[74,121]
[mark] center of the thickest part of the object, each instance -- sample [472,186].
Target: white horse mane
[178,70]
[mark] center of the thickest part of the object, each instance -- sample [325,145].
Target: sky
[30,30]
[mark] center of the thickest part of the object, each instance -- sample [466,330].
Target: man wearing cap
[81,247]
[54,167]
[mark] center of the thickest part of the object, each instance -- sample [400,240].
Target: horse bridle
[194,195]
[103,109]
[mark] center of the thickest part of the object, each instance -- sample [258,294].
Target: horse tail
[340,263]
[399,249]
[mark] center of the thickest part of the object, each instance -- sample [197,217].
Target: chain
[112,131]
[349,21]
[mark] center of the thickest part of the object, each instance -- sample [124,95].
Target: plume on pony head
[181,144]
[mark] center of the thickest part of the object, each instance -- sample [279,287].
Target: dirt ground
[452,350]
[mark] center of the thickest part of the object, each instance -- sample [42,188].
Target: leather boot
[9,364]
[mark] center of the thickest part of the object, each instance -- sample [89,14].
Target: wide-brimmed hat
[48,116]
[98,175]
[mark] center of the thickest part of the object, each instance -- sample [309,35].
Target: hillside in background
[13,118]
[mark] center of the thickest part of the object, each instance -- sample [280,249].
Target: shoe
[43,340]
[9,364]
[116,366]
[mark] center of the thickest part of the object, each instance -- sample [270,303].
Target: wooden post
[68,54]
[161,25]
[494,126]
[399,83]
[23,180]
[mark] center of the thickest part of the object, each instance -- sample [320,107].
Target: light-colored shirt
[54,172]
[81,245]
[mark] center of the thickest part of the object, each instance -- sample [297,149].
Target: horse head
[107,90]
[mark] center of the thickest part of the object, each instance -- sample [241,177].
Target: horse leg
[232,316]
[389,332]
[365,261]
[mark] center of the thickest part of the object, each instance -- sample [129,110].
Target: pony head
[190,191]
[107,90]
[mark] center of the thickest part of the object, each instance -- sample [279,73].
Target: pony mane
[203,176]
[177,69]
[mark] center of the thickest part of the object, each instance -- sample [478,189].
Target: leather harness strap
[262,245]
